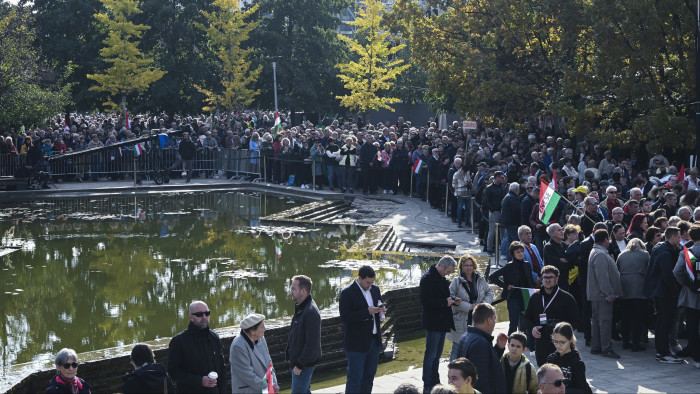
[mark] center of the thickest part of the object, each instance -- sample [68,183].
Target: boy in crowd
[521,375]
[461,374]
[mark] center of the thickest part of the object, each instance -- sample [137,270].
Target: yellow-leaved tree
[373,72]
[227,30]
[131,71]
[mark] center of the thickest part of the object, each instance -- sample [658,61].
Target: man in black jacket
[304,340]
[196,352]
[369,165]
[436,316]
[187,151]
[548,307]
[510,217]
[148,377]
[554,253]
[362,338]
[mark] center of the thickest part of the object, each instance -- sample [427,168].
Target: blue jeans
[434,342]
[334,170]
[302,383]
[463,204]
[362,366]
[515,309]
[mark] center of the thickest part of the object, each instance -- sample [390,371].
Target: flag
[549,199]
[278,247]
[681,174]
[267,380]
[278,125]
[690,262]
[553,183]
[527,293]
[418,167]
[139,214]
[128,123]
[138,149]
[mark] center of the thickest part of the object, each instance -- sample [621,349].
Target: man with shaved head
[196,352]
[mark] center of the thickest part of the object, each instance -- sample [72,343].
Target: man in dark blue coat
[476,345]
[510,217]
[361,333]
[661,286]
[436,316]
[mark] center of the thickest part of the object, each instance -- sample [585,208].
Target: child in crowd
[461,374]
[521,375]
[568,359]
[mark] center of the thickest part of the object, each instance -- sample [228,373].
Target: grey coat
[688,297]
[633,269]
[248,366]
[461,312]
[603,277]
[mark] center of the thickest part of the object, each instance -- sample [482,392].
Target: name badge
[543,318]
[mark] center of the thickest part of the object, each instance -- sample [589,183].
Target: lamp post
[697,84]
[274,79]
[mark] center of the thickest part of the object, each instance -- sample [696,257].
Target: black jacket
[551,255]
[368,154]
[493,196]
[517,273]
[357,322]
[434,292]
[304,340]
[574,371]
[476,345]
[563,308]
[186,149]
[150,378]
[659,281]
[61,388]
[192,354]
[525,209]
[510,211]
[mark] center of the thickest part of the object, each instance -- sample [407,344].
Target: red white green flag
[278,125]
[268,382]
[278,247]
[549,199]
[527,293]
[690,263]
[418,166]
[138,149]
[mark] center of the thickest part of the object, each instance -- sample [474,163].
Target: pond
[105,271]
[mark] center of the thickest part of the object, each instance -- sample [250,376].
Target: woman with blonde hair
[471,287]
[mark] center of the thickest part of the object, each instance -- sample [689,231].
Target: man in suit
[362,339]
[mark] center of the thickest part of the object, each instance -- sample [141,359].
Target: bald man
[196,352]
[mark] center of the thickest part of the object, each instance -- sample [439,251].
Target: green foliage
[23,101]
[130,71]
[227,30]
[300,36]
[375,69]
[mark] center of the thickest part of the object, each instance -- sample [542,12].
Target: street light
[274,77]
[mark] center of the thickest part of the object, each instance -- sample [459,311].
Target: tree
[300,35]
[227,31]
[373,73]
[131,71]
[22,99]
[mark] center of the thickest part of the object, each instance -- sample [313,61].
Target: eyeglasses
[68,365]
[556,383]
[560,343]
[549,277]
[200,314]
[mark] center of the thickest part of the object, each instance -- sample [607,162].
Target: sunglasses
[556,383]
[68,365]
[200,314]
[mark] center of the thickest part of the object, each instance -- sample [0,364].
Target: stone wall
[403,317]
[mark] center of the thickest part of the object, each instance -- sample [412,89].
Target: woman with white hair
[250,357]
[66,379]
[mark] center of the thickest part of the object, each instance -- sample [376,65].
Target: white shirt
[621,245]
[368,298]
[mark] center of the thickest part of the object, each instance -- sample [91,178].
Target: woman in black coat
[517,273]
[148,377]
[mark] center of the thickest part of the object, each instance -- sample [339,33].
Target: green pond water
[105,271]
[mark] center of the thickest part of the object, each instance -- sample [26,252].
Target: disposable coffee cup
[213,375]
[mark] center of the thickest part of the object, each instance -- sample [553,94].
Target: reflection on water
[102,272]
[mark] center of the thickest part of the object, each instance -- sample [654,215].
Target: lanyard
[550,301]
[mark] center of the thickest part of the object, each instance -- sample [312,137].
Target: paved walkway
[634,372]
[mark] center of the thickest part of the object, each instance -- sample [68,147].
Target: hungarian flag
[278,247]
[553,183]
[267,381]
[418,166]
[278,125]
[690,263]
[527,293]
[138,149]
[548,201]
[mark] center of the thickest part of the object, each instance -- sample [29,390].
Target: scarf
[75,384]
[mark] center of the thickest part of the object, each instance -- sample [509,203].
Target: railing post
[497,246]
[447,196]
[471,213]
[410,176]
[427,189]
[313,174]
[135,170]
